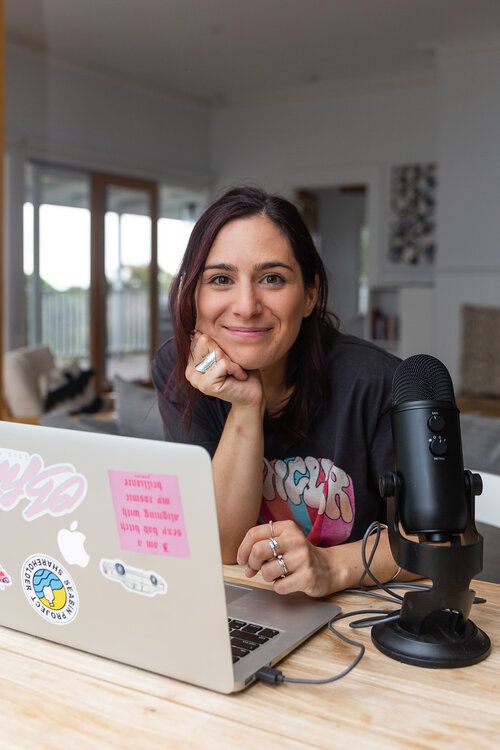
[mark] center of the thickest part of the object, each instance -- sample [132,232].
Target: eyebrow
[258,267]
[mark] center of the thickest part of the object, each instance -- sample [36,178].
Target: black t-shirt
[329,484]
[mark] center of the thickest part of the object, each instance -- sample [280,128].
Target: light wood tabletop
[55,697]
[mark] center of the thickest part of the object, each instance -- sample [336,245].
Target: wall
[468,263]
[329,142]
[271,142]
[60,113]
[59,107]
[456,123]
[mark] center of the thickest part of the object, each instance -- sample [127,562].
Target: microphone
[428,450]
[430,496]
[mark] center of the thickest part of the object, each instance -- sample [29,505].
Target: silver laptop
[110,545]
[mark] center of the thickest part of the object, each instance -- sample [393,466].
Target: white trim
[330,90]
[191,104]
[80,159]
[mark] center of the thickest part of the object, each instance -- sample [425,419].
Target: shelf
[400,318]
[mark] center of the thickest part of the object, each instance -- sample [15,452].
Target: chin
[251,363]
[248,360]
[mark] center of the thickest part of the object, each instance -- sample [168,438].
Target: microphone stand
[433,629]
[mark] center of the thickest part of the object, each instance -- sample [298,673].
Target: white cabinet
[401,318]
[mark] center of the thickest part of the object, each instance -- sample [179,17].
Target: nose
[247,302]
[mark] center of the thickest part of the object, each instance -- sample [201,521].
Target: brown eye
[220,280]
[273,279]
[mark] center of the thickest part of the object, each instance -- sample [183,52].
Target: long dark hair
[306,369]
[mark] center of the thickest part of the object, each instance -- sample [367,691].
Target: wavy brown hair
[306,368]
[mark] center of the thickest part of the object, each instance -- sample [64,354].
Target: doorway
[124,278]
[337,219]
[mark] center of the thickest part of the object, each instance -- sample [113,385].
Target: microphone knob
[435,423]
[389,484]
[438,445]
[477,484]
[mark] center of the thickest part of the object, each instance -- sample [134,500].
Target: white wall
[468,262]
[62,114]
[60,108]
[330,142]
[270,143]
[456,123]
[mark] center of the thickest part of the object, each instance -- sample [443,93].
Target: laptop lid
[110,545]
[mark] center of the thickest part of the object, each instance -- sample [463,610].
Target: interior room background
[332,145]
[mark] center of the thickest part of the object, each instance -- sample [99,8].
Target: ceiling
[220,52]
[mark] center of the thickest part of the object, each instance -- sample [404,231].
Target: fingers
[281,530]
[256,552]
[212,379]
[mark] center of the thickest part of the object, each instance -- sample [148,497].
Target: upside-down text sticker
[148,512]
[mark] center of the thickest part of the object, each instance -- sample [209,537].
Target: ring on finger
[207,362]
[274,544]
[281,562]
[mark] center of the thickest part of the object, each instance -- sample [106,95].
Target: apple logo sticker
[72,545]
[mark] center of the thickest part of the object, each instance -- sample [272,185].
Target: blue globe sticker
[49,589]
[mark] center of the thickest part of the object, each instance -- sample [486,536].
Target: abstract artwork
[412,222]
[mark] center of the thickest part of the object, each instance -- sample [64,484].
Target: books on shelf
[384,326]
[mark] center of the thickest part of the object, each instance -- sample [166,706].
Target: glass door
[57,260]
[124,313]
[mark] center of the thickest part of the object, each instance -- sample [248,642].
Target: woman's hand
[308,566]
[225,379]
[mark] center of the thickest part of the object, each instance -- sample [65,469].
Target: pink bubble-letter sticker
[148,511]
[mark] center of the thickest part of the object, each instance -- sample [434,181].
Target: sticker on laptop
[5,579]
[72,546]
[49,589]
[148,512]
[55,490]
[137,580]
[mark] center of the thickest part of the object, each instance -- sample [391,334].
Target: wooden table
[55,697]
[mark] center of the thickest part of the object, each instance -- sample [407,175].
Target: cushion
[22,369]
[138,413]
[481,442]
[480,355]
[68,389]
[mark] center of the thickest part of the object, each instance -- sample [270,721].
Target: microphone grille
[422,378]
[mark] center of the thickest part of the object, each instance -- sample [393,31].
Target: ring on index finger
[207,362]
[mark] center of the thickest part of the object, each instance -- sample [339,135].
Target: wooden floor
[491,554]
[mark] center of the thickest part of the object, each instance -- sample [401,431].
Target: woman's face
[251,298]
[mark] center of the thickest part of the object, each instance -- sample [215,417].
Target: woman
[294,414]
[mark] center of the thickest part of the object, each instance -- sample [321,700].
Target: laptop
[110,545]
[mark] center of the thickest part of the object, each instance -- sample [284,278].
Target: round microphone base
[443,645]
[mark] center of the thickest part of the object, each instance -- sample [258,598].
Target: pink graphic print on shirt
[314,492]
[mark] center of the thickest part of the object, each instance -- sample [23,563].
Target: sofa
[136,414]
[35,384]
[22,371]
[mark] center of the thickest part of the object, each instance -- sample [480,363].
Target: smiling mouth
[251,332]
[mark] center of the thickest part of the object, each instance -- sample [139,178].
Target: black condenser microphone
[430,496]
[428,450]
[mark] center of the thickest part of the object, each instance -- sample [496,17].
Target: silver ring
[282,564]
[274,544]
[207,362]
